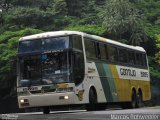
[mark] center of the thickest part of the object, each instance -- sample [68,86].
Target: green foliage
[154,71]
[92,29]
[33,17]
[10,34]
[157,56]
[121,18]
[158,41]
[155,74]
[151,10]
[75,7]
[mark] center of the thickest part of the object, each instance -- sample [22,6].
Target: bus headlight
[66,97]
[68,89]
[22,100]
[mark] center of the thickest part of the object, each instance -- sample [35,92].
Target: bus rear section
[122,70]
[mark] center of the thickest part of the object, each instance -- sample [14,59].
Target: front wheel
[46,110]
[92,101]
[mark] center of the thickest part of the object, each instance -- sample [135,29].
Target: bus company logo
[127,72]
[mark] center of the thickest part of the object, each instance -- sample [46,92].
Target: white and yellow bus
[73,68]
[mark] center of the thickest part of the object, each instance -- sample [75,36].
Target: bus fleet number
[144,74]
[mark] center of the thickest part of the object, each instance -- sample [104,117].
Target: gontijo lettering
[127,72]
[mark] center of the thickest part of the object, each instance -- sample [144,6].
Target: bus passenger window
[131,57]
[102,51]
[139,59]
[144,60]
[90,48]
[122,55]
[112,53]
[77,42]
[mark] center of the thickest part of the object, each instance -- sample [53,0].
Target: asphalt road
[149,113]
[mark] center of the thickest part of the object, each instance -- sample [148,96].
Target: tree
[78,7]
[122,21]
[157,56]
[5,4]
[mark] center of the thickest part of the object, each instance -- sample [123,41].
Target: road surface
[149,113]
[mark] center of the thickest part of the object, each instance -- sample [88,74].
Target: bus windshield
[48,68]
[45,44]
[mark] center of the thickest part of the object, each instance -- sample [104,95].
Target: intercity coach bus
[73,68]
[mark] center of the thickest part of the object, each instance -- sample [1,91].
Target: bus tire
[92,100]
[46,110]
[139,99]
[133,103]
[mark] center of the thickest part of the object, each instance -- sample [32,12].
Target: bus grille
[43,91]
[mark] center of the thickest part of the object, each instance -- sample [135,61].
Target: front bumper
[41,100]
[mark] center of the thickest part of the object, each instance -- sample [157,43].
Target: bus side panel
[92,79]
[107,81]
[122,86]
[144,86]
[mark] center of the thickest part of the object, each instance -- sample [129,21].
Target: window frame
[143,65]
[86,39]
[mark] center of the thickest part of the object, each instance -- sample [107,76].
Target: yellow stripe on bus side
[122,86]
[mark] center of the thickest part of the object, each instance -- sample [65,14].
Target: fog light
[22,100]
[66,97]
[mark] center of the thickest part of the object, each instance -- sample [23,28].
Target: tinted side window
[131,57]
[78,59]
[78,67]
[144,57]
[139,60]
[90,48]
[102,51]
[77,42]
[122,55]
[112,53]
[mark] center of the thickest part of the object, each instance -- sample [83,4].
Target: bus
[74,68]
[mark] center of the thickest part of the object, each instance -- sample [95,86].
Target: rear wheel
[139,100]
[134,101]
[132,104]
[92,100]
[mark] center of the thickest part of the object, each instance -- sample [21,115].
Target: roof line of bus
[93,37]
